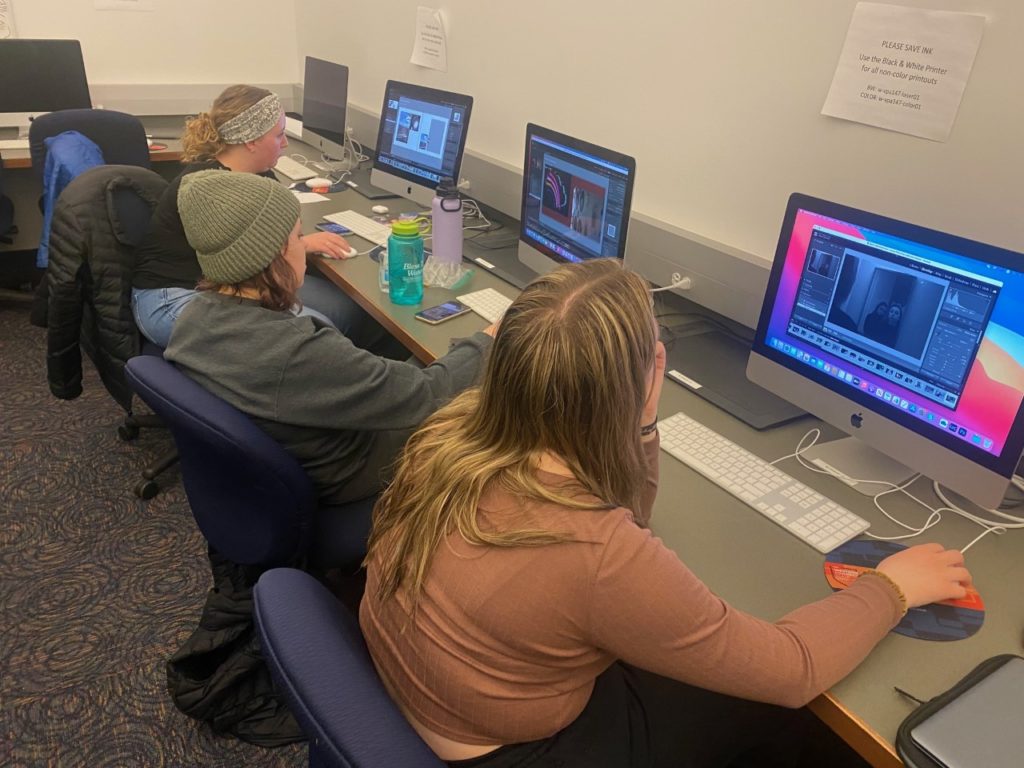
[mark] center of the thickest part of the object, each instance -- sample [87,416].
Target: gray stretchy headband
[254,122]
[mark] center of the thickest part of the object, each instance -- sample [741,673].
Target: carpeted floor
[97,587]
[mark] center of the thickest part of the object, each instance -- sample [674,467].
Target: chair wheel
[127,433]
[146,489]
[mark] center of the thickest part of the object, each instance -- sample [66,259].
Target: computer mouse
[318,184]
[349,253]
[381,209]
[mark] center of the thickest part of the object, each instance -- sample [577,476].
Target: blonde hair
[201,140]
[567,374]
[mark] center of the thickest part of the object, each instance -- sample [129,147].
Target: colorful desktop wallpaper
[995,385]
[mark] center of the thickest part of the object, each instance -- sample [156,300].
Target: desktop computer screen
[909,339]
[576,200]
[421,139]
[324,101]
[39,76]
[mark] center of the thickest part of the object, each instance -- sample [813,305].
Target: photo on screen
[893,307]
[573,204]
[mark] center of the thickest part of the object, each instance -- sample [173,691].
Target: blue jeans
[157,309]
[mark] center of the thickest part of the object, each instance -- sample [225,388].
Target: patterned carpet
[98,587]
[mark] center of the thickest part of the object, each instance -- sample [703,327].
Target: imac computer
[38,76]
[324,100]
[576,200]
[421,140]
[909,339]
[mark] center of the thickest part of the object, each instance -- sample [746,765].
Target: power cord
[935,514]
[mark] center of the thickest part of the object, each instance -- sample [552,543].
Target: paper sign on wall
[430,48]
[904,69]
[6,20]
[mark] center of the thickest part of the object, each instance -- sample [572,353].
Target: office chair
[98,220]
[120,136]
[251,499]
[321,668]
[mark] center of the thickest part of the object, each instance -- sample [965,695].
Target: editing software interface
[423,133]
[928,332]
[575,202]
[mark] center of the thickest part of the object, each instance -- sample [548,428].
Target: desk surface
[749,561]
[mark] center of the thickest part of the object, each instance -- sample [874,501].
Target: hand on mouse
[927,573]
[329,244]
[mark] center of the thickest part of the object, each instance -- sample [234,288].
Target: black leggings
[636,719]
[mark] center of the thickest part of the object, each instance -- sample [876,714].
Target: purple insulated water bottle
[446,223]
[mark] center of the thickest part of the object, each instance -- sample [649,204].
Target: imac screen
[576,197]
[923,328]
[422,133]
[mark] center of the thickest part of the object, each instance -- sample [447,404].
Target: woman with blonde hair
[520,612]
[243,131]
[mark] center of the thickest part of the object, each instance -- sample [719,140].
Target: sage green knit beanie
[237,222]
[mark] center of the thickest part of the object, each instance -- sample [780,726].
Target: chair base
[147,487]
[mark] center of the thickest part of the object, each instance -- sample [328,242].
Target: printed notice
[7,20]
[905,69]
[430,49]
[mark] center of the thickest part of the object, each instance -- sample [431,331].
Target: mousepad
[948,620]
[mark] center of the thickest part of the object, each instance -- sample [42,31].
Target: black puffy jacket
[100,217]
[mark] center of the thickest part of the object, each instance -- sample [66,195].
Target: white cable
[935,515]
[683,283]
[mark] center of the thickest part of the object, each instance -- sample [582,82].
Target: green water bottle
[405,263]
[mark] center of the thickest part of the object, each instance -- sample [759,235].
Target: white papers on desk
[13,143]
[904,69]
[430,48]
[7,20]
[309,197]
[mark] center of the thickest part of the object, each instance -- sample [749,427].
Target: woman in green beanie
[343,412]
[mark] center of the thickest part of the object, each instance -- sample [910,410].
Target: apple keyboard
[367,228]
[293,169]
[801,510]
[487,302]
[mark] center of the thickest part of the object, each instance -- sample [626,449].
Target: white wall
[719,100]
[181,41]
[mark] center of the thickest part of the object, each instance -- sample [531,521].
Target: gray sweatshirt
[344,413]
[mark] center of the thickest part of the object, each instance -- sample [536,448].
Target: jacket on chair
[92,239]
[68,155]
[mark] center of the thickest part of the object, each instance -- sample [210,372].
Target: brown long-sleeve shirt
[506,642]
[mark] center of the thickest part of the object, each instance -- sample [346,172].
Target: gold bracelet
[896,588]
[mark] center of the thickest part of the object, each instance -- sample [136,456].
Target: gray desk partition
[750,562]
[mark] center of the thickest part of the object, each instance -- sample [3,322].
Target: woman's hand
[928,573]
[650,411]
[329,244]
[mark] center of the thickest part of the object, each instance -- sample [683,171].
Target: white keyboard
[14,144]
[293,169]
[364,226]
[487,303]
[802,511]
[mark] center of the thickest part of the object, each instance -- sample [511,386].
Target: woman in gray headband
[243,131]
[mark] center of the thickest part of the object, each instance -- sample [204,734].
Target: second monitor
[576,200]
[421,139]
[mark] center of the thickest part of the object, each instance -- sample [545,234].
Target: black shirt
[164,259]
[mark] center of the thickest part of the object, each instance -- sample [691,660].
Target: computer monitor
[421,139]
[576,200]
[909,339]
[324,101]
[38,76]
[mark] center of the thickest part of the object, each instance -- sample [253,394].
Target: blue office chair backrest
[251,499]
[120,136]
[323,671]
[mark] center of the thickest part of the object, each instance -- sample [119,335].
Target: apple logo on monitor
[856,419]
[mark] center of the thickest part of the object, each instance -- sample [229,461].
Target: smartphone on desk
[330,226]
[441,312]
